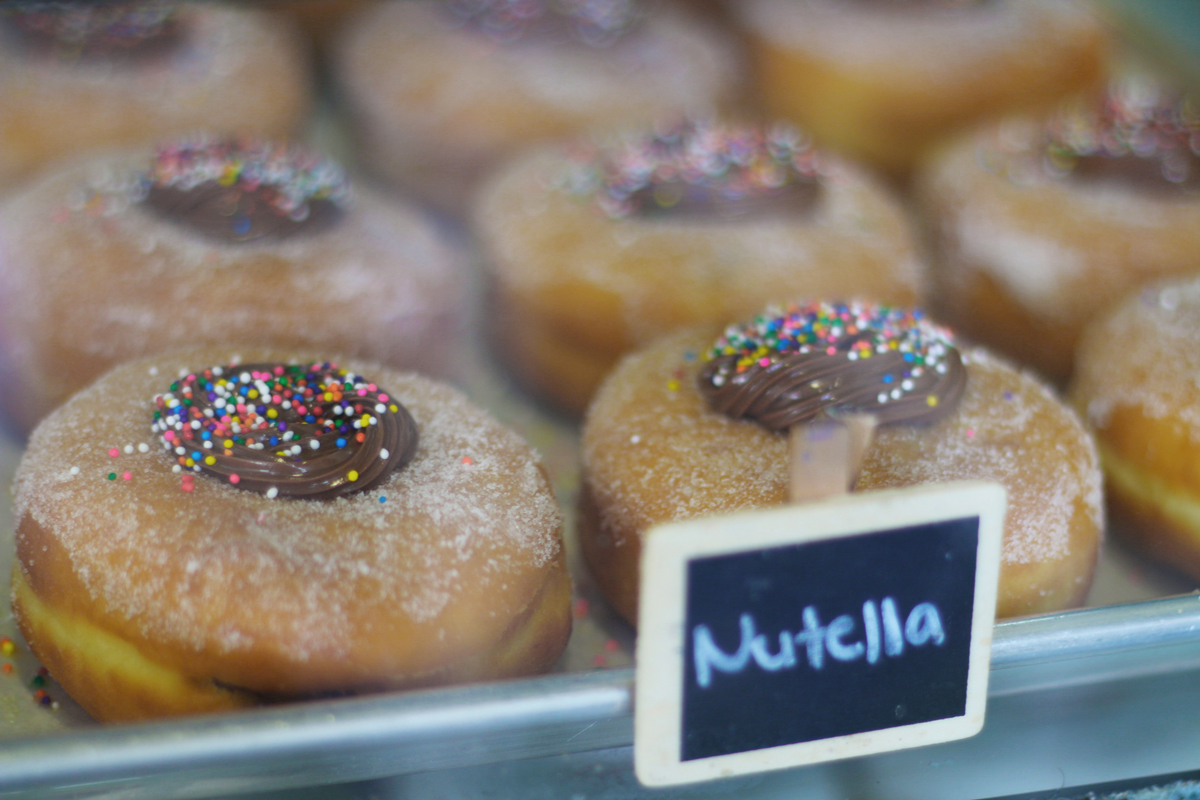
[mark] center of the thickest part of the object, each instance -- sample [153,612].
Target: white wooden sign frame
[661,646]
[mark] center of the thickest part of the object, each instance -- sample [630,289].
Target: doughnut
[1038,227]
[207,241]
[419,545]
[655,449]
[441,93]
[882,81]
[77,77]
[602,247]
[1135,383]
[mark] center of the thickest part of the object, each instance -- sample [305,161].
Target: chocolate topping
[597,23]
[710,171]
[112,31]
[1140,137]
[313,431]
[784,369]
[246,190]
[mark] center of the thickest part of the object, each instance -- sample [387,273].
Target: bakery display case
[1099,701]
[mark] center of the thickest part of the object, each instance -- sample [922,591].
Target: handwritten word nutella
[882,634]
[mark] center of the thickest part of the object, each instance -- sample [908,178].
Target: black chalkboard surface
[808,641]
[815,632]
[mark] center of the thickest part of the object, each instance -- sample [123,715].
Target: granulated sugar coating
[1138,382]
[1027,257]
[653,452]
[90,277]
[1145,355]
[574,287]
[234,69]
[432,569]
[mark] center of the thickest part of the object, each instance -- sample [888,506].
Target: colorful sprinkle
[294,176]
[271,420]
[722,164]
[787,366]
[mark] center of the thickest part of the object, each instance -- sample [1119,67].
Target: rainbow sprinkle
[730,162]
[215,419]
[292,175]
[856,330]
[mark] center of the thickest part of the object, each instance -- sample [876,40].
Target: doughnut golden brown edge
[146,600]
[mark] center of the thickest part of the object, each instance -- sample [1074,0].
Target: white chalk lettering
[883,635]
[924,624]
[773,663]
[871,626]
[840,627]
[708,656]
[893,635]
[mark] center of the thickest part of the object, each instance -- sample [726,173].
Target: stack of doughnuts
[97,76]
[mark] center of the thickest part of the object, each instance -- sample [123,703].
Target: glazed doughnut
[1135,382]
[654,451]
[207,242]
[598,249]
[156,576]
[882,81]
[1039,227]
[441,93]
[78,77]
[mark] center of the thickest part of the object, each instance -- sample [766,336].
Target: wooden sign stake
[826,456]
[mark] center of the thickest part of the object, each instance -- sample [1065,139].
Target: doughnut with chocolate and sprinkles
[272,534]
[601,247]
[1040,225]
[213,240]
[78,77]
[882,81]
[442,92]
[660,443]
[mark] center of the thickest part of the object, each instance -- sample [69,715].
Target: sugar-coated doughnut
[596,249]
[211,241]
[882,81]
[77,77]
[158,576]
[442,92]
[654,451]
[1039,226]
[1135,382]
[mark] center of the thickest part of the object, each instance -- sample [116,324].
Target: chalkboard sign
[815,632]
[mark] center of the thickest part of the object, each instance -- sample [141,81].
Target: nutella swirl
[285,430]
[783,369]
[1140,136]
[100,30]
[245,190]
[709,171]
